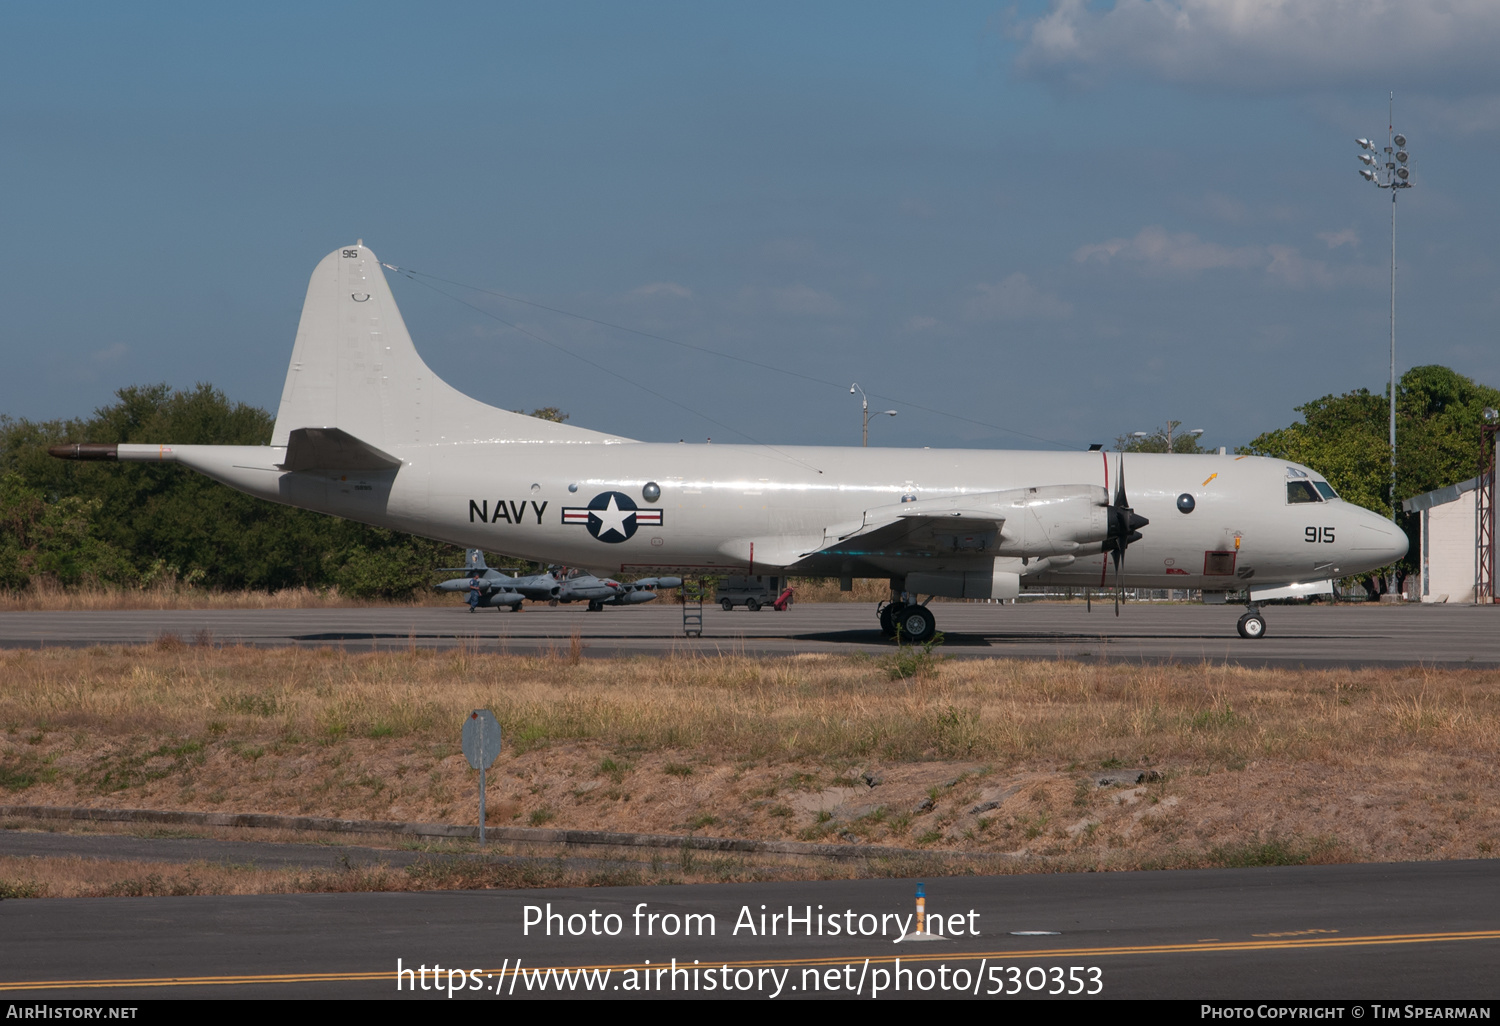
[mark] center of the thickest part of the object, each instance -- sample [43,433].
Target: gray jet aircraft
[366,431]
[495,588]
[582,586]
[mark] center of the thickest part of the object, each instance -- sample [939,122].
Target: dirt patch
[980,756]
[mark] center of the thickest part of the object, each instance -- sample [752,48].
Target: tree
[53,539]
[1165,439]
[162,517]
[551,413]
[1346,439]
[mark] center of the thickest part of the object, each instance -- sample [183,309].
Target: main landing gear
[1252,624]
[916,623]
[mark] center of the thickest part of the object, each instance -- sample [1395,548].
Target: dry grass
[826,589]
[985,756]
[47,594]
[75,877]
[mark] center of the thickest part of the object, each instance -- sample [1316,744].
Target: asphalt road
[1362,932]
[1345,635]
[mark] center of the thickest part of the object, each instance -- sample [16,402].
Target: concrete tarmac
[1359,932]
[1310,636]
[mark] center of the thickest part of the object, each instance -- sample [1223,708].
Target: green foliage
[1346,437]
[1163,439]
[1277,851]
[551,413]
[54,539]
[133,523]
[913,660]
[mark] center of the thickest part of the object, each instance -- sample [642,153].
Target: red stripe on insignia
[648,516]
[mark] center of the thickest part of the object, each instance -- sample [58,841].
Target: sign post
[481,745]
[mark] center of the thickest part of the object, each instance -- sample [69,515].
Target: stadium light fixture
[1392,174]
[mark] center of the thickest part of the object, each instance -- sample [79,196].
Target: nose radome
[1377,541]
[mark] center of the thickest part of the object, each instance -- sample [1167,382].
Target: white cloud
[1220,208]
[1288,266]
[113,354]
[669,289]
[1155,250]
[1016,299]
[1267,44]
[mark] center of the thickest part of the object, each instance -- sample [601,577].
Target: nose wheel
[1252,624]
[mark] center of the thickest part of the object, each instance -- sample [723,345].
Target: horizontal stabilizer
[332,449]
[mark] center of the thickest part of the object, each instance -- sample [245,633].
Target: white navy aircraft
[366,431]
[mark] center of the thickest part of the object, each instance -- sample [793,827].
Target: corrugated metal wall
[1448,551]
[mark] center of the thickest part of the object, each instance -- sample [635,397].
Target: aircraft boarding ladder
[693,591]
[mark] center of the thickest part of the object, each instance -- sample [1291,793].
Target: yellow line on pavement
[905,954]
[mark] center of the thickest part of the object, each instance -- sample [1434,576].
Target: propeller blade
[1124,528]
[1119,592]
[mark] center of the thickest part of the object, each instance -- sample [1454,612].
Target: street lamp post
[1393,174]
[1172,425]
[864,405]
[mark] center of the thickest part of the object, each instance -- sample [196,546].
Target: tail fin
[475,560]
[354,368]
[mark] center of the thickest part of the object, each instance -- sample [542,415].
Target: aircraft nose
[1375,541]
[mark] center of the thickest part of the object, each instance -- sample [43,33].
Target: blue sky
[1064,221]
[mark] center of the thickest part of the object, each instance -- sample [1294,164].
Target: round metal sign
[481,738]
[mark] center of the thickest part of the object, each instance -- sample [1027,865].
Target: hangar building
[1449,557]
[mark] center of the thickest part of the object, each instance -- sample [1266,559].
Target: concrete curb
[520,835]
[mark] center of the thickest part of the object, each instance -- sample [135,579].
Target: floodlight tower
[1393,174]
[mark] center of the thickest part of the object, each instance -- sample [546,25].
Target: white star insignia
[612,518]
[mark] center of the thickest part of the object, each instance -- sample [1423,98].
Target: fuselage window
[1301,491]
[1325,489]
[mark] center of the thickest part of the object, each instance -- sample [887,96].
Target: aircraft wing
[537,586]
[960,523]
[1044,520]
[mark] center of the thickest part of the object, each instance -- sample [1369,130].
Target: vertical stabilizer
[354,368]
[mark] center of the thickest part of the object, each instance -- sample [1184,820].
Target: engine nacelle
[1053,520]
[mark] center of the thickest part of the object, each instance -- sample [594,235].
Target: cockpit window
[1301,491]
[1325,489]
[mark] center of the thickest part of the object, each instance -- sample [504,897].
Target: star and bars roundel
[611,517]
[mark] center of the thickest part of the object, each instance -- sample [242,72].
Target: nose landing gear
[1252,624]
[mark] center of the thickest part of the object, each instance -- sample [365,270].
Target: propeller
[1124,528]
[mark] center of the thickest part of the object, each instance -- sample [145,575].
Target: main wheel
[1252,625]
[595,605]
[888,614]
[917,625]
[752,605]
[728,605]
